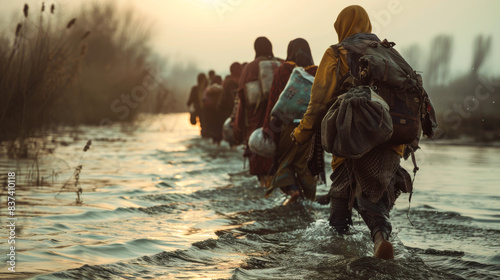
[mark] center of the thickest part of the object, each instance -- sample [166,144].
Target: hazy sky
[215,33]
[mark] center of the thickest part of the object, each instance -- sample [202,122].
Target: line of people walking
[214,102]
[277,109]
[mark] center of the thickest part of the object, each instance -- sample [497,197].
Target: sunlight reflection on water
[163,189]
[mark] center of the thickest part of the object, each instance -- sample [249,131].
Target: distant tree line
[467,105]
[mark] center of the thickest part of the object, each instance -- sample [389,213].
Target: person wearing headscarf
[195,99]
[211,76]
[292,174]
[250,117]
[373,194]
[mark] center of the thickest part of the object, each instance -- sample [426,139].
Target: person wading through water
[250,117]
[230,87]
[196,99]
[292,175]
[371,183]
[213,117]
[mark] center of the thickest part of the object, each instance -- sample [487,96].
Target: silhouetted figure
[250,117]
[211,76]
[213,117]
[230,87]
[292,175]
[372,182]
[195,100]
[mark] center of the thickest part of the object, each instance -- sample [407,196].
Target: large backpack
[377,64]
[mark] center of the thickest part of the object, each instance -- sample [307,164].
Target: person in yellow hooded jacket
[374,193]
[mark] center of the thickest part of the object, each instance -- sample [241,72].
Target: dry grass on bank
[96,65]
[37,67]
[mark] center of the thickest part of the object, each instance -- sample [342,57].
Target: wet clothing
[371,175]
[292,166]
[249,118]
[214,119]
[371,185]
[376,215]
[368,182]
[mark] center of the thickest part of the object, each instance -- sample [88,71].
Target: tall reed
[37,67]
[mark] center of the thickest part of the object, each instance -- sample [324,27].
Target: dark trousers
[375,215]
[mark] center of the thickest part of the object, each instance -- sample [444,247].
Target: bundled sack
[227,132]
[260,144]
[266,75]
[293,101]
[253,93]
[211,96]
[357,122]
[258,91]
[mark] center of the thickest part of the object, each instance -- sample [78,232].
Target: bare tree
[482,48]
[438,67]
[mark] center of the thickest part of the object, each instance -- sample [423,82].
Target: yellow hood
[352,20]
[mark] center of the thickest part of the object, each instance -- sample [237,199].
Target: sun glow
[210,2]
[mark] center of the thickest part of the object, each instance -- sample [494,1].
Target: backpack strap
[336,52]
[340,79]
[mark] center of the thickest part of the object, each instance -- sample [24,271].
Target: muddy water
[160,203]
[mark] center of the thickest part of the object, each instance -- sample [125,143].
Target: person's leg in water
[340,215]
[376,217]
[338,197]
[284,177]
[299,181]
[294,192]
[303,176]
[263,180]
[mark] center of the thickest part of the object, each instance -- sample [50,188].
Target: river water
[161,203]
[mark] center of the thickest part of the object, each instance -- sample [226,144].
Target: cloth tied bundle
[260,144]
[358,121]
[294,100]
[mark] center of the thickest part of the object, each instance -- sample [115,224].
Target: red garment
[281,76]
[249,118]
[226,101]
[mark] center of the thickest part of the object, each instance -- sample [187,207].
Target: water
[160,203]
